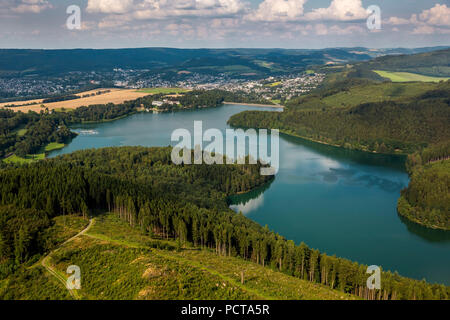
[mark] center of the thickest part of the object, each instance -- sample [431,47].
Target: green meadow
[54,146]
[364,93]
[408,77]
[34,157]
[28,159]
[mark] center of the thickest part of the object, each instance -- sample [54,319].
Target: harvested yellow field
[115,96]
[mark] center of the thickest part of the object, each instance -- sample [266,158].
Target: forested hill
[435,63]
[427,199]
[394,118]
[22,62]
[186,203]
[210,61]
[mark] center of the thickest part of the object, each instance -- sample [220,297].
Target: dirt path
[58,275]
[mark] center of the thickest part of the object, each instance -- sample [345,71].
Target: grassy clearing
[28,159]
[408,77]
[54,146]
[21,132]
[375,93]
[163,90]
[34,157]
[65,227]
[117,262]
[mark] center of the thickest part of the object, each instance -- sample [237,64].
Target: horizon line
[228,48]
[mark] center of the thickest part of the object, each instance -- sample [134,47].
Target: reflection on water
[384,160]
[430,235]
[86,132]
[250,201]
[352,177]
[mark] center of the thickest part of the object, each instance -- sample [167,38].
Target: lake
[339,201]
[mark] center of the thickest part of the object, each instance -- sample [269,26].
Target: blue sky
[223,23]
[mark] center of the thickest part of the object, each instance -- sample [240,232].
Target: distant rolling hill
[17,62]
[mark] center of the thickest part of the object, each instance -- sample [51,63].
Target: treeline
[11,96]
[22,235]
[216,97]
[437,152]
[426,200]
[39,131]
[242,97]
[384,127]
[61,98]
[187,203]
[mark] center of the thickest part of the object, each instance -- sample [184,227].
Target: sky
[42,24]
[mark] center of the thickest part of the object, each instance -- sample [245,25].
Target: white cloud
[291,10]
[439,15]
[339,10]
[277,10]
[397,21]
[430,21]
[424,29]
[321,29]
[109,6]
[158,9]
[32,6]
[349,30]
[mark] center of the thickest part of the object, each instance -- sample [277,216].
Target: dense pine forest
[186,203]
[427,199]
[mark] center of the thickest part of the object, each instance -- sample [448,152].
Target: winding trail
[58,275]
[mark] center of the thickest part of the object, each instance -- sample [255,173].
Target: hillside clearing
[118,262]
[408,77]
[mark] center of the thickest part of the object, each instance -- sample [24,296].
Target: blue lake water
[339,201]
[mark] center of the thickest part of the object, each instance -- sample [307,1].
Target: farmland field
[408,77]
[115,96]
